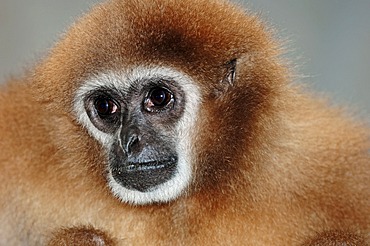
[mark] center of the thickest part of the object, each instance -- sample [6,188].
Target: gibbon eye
[105,107]
[157,99]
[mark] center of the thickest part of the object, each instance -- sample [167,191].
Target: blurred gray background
[329,41]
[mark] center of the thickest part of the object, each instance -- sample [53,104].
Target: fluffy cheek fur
[184,129]
[237,125]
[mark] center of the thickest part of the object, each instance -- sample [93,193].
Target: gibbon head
[172,92]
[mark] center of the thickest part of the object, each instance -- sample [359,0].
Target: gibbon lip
[144,176]
[150,165]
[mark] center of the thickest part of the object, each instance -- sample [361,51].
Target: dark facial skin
[142,120]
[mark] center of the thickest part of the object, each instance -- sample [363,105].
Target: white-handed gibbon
[169,122]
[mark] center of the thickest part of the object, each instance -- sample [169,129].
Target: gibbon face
[164,94]
[144,119]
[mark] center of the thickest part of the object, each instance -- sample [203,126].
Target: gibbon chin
[176,122]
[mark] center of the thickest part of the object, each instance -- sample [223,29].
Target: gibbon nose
[131,139]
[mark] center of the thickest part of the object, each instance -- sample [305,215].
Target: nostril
[131,138]
[133,141]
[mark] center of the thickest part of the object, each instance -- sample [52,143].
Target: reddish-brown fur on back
[274,164]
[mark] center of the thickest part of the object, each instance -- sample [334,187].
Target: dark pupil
[160,97]
[104,106]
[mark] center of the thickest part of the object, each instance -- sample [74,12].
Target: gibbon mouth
[150,165]
[144,176]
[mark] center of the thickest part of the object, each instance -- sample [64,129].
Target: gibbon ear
[228,78]
[230,68]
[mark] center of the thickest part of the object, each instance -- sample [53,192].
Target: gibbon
[170,122]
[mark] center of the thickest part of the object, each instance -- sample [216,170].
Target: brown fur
[275,165]
[86,236]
